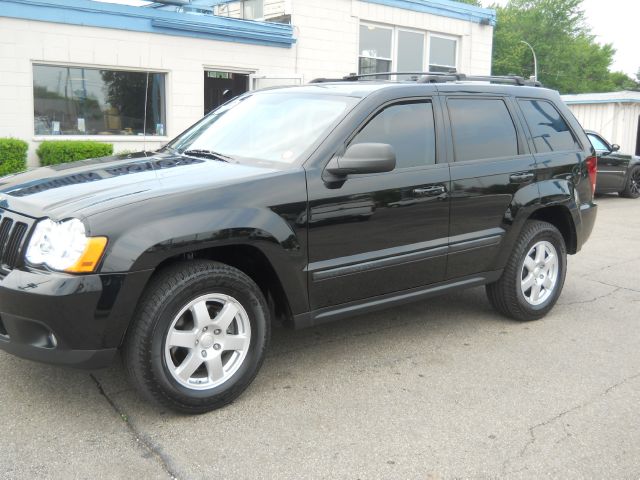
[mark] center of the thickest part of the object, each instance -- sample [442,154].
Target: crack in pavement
[594,299]
[613,285]
[551,420]
[139,438]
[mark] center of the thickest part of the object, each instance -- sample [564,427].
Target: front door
[220,87]
[381,233]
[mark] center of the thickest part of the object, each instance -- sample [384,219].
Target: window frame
[520,134]
[440,160]
[36,137]
[392,47]
[395,42]
[445,37]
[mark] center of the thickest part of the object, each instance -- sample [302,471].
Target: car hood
[90,186]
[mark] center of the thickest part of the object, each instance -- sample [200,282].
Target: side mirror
[364,158]
[615,147]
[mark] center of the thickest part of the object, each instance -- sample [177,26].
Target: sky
[611,21]
[615,22]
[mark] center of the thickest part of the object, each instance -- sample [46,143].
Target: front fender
[147,243]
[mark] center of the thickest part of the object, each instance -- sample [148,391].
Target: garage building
[615,115]
[136,76]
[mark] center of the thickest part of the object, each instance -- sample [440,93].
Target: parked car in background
[617,172]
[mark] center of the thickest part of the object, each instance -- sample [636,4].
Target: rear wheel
[534,276]
[632,187]
[199,337]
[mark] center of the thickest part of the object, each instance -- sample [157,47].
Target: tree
[569,58]
[471,2]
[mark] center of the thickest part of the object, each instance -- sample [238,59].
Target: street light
[535,60]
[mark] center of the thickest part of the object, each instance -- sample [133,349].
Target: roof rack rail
[438,77]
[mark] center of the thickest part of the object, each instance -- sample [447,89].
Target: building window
[442,54]
[252,9]
[375,49]
[89,101]
[410,51]
[386,49]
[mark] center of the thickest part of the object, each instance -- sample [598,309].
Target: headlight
[65,246]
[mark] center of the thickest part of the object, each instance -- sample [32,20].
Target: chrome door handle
[521,177]
[431,191]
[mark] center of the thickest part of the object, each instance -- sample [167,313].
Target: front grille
[12,238]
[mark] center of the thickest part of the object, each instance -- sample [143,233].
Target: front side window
[598,143]
[408,128]
[549,130]
[271,127]
[481,129]
[90,101]
[442,54]
[375,49]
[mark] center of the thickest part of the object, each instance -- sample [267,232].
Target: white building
[138,76]
[615,115]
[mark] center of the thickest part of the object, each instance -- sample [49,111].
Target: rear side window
[408,128]
[481,128]
[550,132]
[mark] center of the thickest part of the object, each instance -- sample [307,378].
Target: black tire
[166,296]
[632,184]
[506,296]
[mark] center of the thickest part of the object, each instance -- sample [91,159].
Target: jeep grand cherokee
[309,204]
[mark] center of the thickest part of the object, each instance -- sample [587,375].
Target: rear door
[381,233]
[491,165]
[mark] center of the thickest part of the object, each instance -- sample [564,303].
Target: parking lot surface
[444,388]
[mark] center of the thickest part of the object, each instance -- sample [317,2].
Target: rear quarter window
[549,130]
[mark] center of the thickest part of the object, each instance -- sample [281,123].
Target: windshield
[273,127]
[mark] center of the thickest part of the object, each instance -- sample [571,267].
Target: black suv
[308,204]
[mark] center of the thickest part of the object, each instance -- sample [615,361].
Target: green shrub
[64,151]
[13,156]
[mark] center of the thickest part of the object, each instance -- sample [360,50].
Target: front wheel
[534,276]
[199,337]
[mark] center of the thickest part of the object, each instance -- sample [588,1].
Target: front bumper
[74,320]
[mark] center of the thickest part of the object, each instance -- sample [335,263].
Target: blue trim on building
[444,8]
[150,20]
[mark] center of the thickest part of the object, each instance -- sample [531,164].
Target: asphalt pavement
[440,389]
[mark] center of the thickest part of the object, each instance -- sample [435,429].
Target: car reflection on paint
[355,208]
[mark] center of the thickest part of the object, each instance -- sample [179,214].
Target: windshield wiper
[209,154]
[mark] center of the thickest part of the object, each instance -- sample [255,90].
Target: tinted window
[482,128]
[597,143]
[550,132]
[408,128]
[271,126]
